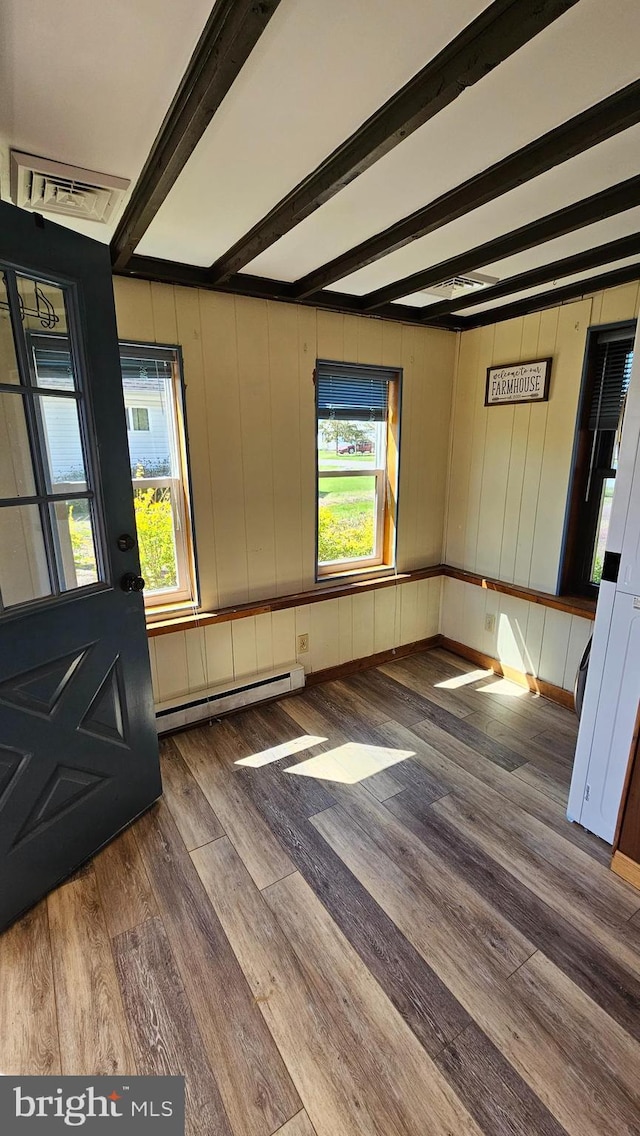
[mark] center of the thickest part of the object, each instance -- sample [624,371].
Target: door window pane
[44,320]
[346,517]
[16,470]
[64,458]
[73,530]
[8,362]
[23,563]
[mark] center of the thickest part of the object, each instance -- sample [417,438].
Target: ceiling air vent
[461,285]
[51,187]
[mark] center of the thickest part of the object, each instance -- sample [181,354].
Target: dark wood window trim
[589,467]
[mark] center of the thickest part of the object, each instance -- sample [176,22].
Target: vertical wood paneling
[362,614]
[495,470]
[172,666]
[508,484]
[257,449]
[219,650]
[573,322]
[478,447]
[308,351]
[285,444]
[245,650]
[219,348]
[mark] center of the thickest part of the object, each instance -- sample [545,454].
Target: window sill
[335,588]
[374,571]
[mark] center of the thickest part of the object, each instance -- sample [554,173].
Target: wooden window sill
[347,586]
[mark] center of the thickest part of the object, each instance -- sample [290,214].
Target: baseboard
[354,665]
[627,868]
[536,685]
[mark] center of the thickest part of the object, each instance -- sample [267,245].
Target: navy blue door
[78,747]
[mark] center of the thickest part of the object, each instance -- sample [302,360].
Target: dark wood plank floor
[357,912]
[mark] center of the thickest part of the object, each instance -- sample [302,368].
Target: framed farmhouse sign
[518,382]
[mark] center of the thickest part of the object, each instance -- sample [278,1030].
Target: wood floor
[356,912]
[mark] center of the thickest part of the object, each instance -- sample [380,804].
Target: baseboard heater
[218,700]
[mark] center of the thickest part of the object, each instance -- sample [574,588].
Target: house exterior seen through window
[357,461]
[153,397]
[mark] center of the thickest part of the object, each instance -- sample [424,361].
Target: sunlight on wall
[350,763]
[512,648]
[286,749]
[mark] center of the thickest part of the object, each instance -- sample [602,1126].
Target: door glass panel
[73,530]
[16,470]
[23,562]
[64,458]
[44,320]
[8,363]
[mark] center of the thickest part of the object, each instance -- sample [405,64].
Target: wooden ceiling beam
[614,114]
[616,199]
[579,262]
[231,33]
[499,31]
[552,299]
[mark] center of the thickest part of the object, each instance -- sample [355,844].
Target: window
[138,417]
[607,373]
[357,464]
[153,396]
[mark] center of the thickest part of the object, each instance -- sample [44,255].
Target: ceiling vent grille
[461,285]
[51,187]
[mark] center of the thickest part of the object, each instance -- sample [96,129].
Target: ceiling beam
[579,262]
[231,33]
[603,120]
[552,299]
[492,37]
[258,287]
[616,199]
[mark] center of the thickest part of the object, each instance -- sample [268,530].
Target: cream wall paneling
[510,466]
[537,640]
[352,627]
[248,368]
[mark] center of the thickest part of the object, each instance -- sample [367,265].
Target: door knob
[125,542]
[132,583]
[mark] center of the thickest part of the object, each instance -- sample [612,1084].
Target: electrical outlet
[490,623]
[303,644]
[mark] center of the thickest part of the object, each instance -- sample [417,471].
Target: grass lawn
[330,459]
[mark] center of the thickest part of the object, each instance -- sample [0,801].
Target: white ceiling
[89,83]
[552,286]
[587,54]
[318,71]
[92,85]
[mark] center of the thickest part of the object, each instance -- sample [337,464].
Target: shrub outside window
[357,461]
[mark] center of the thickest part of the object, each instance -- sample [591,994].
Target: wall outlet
[303,644]
[490,623]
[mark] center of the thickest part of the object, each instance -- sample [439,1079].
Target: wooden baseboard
[536,685]
[627,868]
[354,665]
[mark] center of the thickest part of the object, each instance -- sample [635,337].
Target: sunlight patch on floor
[285,749]
[504,686]
[463,680]
[350,763]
